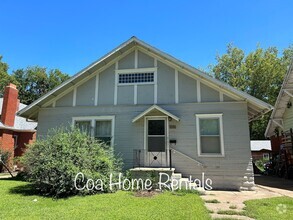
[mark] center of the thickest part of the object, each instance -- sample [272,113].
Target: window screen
[210,139]
[103,131]
[136,78]
[84,126]
[156,136]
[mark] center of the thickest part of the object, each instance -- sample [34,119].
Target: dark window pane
[103,128]
[84,126]
[210,145]
[106,140]
[156,144]
[156,127]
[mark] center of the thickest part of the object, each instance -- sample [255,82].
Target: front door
[156,142]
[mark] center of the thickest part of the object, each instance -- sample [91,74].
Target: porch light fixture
[289,104]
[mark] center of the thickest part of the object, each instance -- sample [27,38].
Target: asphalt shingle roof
[20,122]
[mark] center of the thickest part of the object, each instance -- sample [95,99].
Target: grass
[231,212]
[18,200]
[232,207]
[212,201]
[262,209]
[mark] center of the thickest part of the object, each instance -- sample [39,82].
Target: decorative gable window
[99,127]
[136,76]
[130,78]
[210,135]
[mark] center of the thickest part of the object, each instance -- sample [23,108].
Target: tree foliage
[37,81]
[32,82]
[259,73]
[5,78]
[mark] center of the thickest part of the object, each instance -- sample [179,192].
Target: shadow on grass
[25,190]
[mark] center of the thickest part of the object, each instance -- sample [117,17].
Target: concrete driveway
[266,187]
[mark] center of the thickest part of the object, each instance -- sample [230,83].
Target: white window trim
[211,116]
[93,119]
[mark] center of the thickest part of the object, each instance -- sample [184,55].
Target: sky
[69,35]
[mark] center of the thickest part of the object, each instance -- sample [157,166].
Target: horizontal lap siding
[130,136]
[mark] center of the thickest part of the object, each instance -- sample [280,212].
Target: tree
[260,74]
[37,81]
[5,78]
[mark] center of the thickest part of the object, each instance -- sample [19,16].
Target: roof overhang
[256,107]
[285,94]
[16,129]
[152,108]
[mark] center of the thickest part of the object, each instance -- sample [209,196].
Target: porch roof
[155,107]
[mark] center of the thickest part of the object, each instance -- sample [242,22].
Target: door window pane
[156,127]
[156,144]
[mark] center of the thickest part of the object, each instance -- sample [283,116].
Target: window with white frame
[100,127]
[135,78]
[210,135]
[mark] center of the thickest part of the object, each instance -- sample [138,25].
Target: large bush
[51,164]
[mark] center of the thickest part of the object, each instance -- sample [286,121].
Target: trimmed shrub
[52,164]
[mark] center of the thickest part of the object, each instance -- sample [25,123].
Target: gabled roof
[20,123]
[286,92]
[152,108]
[256,107]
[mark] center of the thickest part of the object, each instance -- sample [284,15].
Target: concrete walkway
[266,187]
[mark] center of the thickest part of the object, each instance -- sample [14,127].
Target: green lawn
[279,208]
[17,202]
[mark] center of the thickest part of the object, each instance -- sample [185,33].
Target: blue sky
[69,35]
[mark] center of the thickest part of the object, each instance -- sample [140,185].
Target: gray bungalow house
[157,112]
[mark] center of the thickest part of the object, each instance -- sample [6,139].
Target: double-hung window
[99,127]
[210,135]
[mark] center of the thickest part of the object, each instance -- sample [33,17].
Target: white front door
[156,141]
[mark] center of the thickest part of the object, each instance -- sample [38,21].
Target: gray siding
[66,100]
[228,99]
[106,86]
[145,94]
[125,95]
[166,84]
[85,93]
[127,62]
[145,61]
[226,172]
[208,94]
[187,89]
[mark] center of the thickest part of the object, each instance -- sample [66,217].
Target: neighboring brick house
[15,131]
